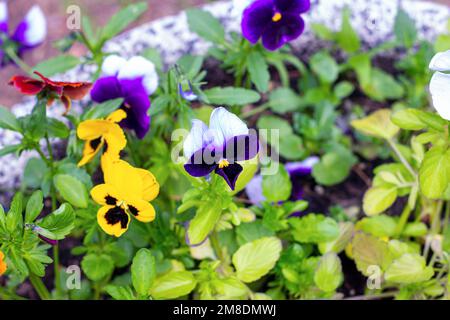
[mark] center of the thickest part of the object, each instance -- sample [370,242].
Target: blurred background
[98,10]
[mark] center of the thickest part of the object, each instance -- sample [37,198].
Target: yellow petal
[117,116]
[89,152]
[92,129]
[150,185]
[115,140]
[2,256]
[124,178]
[141,210]
[113,220]
[105,195]
[3,268]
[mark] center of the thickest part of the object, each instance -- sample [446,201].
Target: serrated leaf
[97,266]
[314,228]
[378,199]
[328,276]
[409,268]
[378,124]
[173,285]
[368,251]
[434,173]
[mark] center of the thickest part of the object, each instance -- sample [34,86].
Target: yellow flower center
[223,163]
[277,17]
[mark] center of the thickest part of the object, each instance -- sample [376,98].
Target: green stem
[254,111]
[446,217]
[403,220]
[39,287]
[14,57]
[215,244]
[401,157]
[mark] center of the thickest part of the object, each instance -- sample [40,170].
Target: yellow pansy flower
[3,266]
[126,192]
[102,133]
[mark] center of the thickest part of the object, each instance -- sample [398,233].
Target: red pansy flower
[65,91]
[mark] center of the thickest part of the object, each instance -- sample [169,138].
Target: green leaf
[120,293]
[328,276]
[97,266]
[322,32]
[34,206]
[362,65]
[8,120]
[204,221]
[258,70]
[274,123]
[205,25]
[380,226]
[247,232]
[325,67]
[405,29]
[314,228]
[10,149]
[282,100]
[370,251]
[255,259]
[173,285]
[118,22]
[57,129]
[409,268]
[154,56]
[408,119]
[378,199]
[103,110]
[34,172]
[334,166]
[340,243]
[59,223]
[143,271]
[250,168]
[347,38]
[231,96]
[72,190]
[58,64]
[291,147]
[277,187]
[14,219]
[434,173]
[35,125]
[343,89]
[382,86]
[378,124]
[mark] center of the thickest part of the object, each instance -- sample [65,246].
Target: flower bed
[234,155]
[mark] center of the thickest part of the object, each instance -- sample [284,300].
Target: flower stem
[14,57]
[401,157]
[39,287]
[403,220]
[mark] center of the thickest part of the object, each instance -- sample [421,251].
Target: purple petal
[106,88]
[224,125]
[301,168]
[136,107]
[254,190]
[32,30]
[195,139]
[241,148]
[49,241]
[3,17]
[230,173]
[293,6]
[256,18]
[202,163]
[278,33]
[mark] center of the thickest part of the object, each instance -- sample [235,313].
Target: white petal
[112,64]
[37,26]
[440,93]
[138,67]
[194,141]
[441,61]
[3,12]
[239,6]
[224,125]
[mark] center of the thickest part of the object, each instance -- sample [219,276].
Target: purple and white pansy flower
[134,80]
[276,22]
[29,33]
[220,147]
[297,172]
[440,83]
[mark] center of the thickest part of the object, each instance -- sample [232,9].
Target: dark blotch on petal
[95,143]
[202,162]
[110,200]
[241,148]
[117,215]
[133,210]
[230,174]
[290,27]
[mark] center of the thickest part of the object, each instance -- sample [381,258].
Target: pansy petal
[113,220]
[293,6]
[141,210]
[112,65]
[241,148]
[140,68]
[254,190]
[441,61]
[27,85]
[33,29]
[278,33]
[124,178]
[3,17]
[90,150]
[115,141]
[230,173]
[202,163]
[93,129]
[136,107]
[117,116]
[256,18]
[150,185]
[106,88]
[105,194]
[224,125]
[440,93]
[76,91]
[301,167]
[194,140]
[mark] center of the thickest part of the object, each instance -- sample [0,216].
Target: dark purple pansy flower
[275,21]
[296,170]
[30,32]
[219,147]
[40,232]
[133,80]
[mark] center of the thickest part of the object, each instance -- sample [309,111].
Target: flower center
[277,17]
[223,163]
